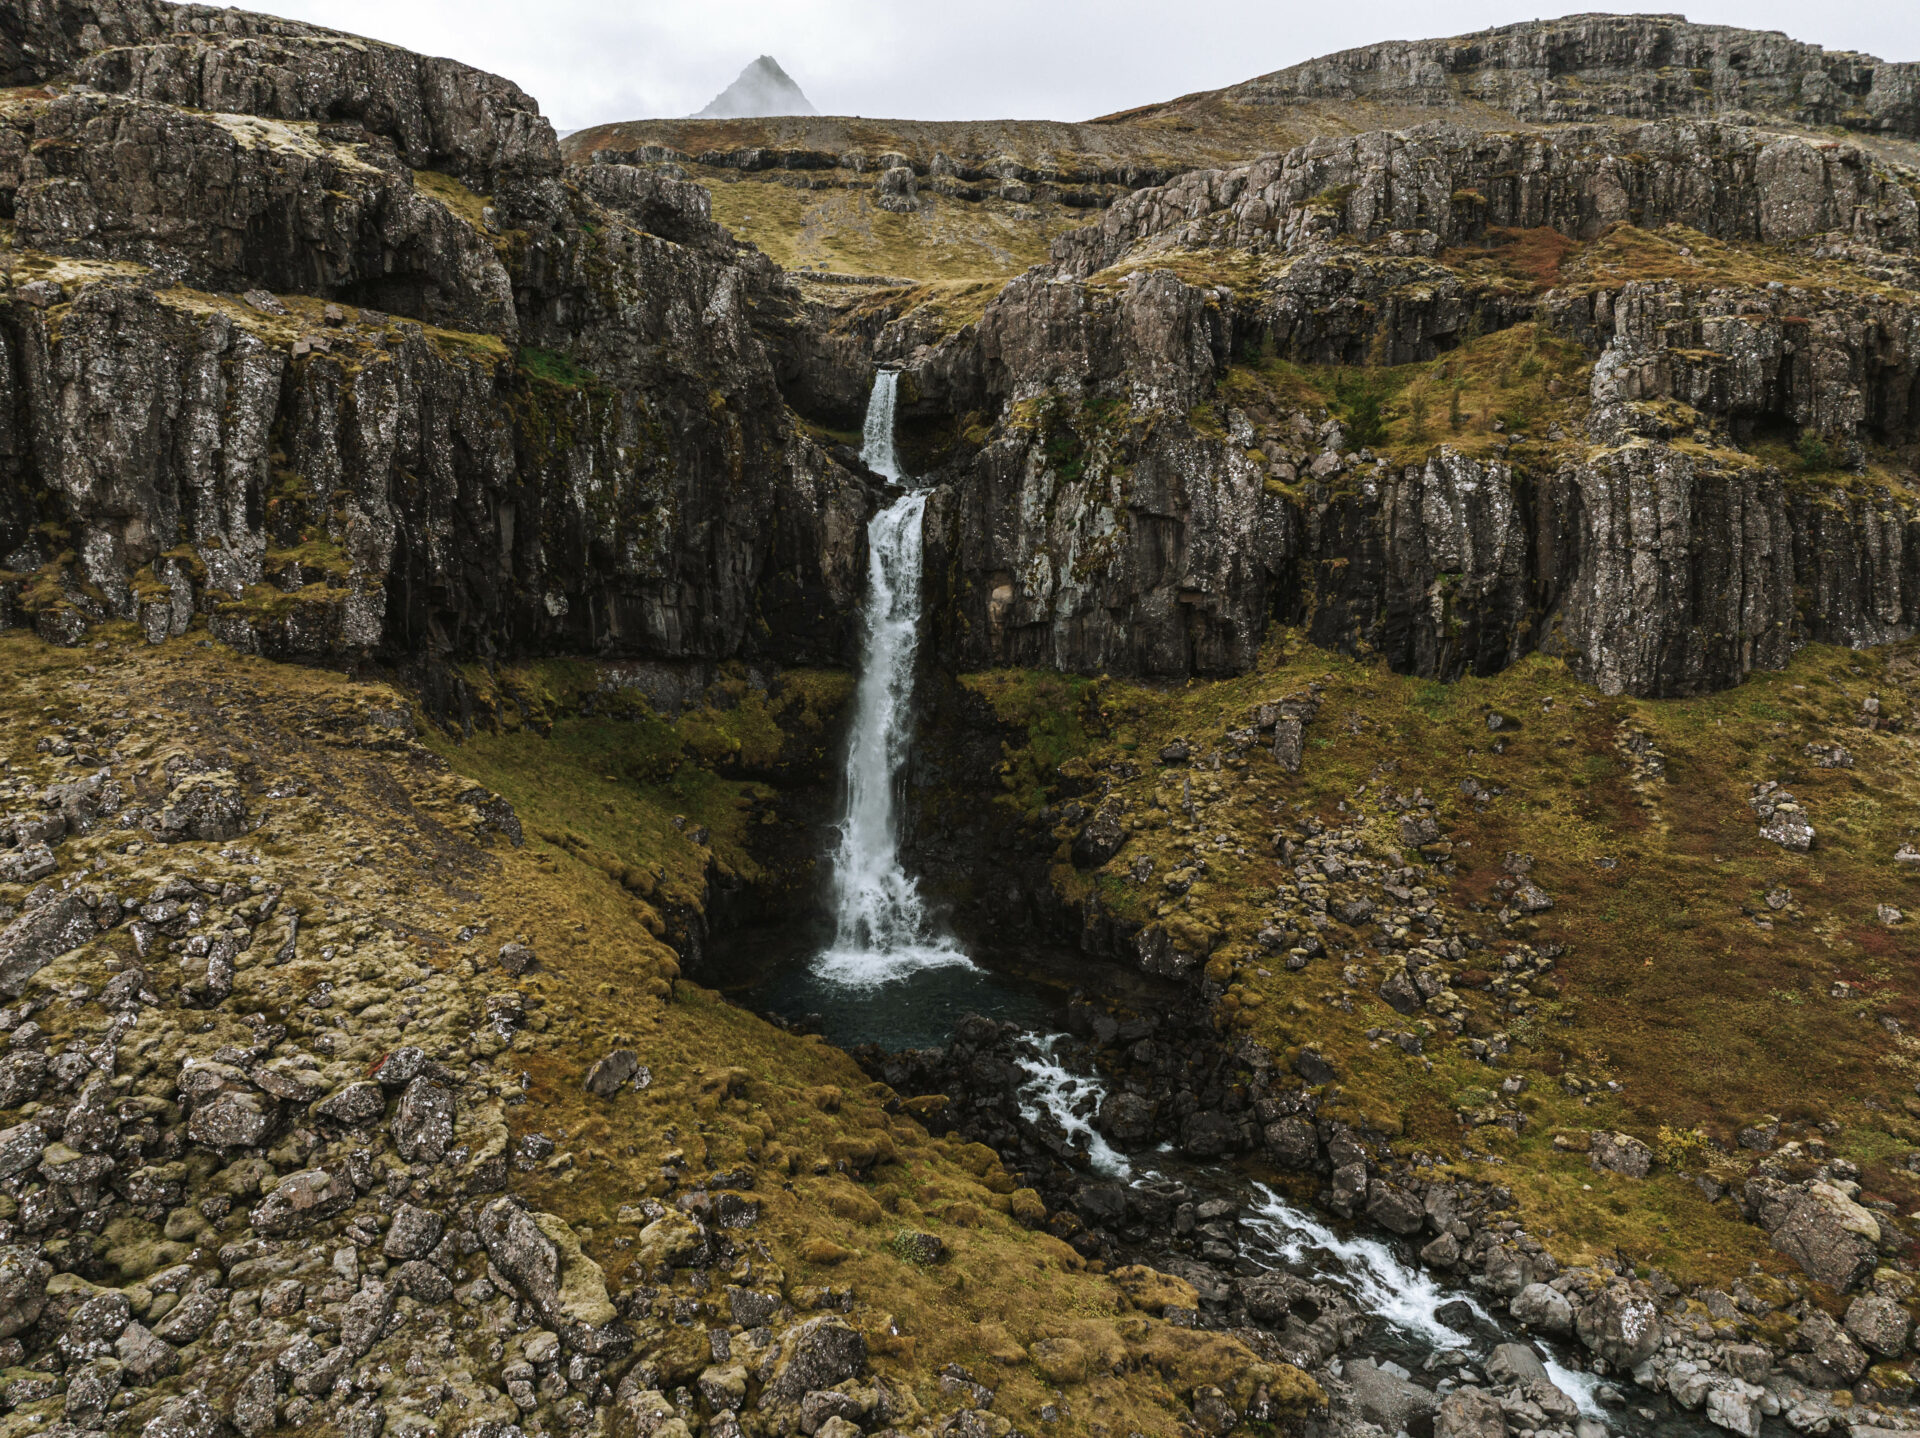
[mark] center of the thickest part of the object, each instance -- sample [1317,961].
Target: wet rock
[423,1122]
[1292,1143]
[1208,1134]
[1395,1209]
[1518,1365]
[1388,1400]
[1126,1119]
[516,958]
[1469,1413]
[1349,1186]
[1543,1308]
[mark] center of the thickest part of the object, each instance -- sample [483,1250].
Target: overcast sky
[587,61]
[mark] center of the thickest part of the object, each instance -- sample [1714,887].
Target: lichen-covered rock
[816,1354]
[423,1121]
[1619,1153]
[1620,1325]
[301,1199]
[23,1287]
[39,936]
[540,1254]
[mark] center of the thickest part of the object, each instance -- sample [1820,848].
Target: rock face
[1144,506]
[468,403]
[1636,66]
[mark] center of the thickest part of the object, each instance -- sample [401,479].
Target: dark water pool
[776,970]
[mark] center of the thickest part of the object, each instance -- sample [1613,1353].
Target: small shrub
[1357,401]
[1816,455]
[1680,1149]
[1417,408]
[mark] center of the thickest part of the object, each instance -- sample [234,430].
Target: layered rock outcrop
[317,338]
[1634,66]
[1145,506]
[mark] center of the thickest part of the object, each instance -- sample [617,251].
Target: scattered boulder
[1831,1237]
[612,1073]
[1619,1325]
[412,1234]
[1782,820]
[301,1199]
[1544,1309]
[232,1119]
[816,1355]
[1879,1324]
[23,1287]
[39,936]
[516,958]
[1393,1403]
[1470,1413]
[423,1121]
[355,1105]
[541,1256]
[1619,1153]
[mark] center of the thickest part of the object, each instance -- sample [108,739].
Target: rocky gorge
[1422,583]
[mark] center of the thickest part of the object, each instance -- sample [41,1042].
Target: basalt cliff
[1422,565]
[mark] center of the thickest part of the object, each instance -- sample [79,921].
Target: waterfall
[881,927]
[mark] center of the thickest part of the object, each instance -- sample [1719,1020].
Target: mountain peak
[763,88]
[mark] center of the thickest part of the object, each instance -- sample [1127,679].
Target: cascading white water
[1067,1098]
[1381,1284]
[881,929]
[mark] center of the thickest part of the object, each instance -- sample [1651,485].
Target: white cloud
[589,62]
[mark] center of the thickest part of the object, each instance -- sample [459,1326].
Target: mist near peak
[763,88]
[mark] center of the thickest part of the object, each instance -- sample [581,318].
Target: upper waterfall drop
[881,928]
